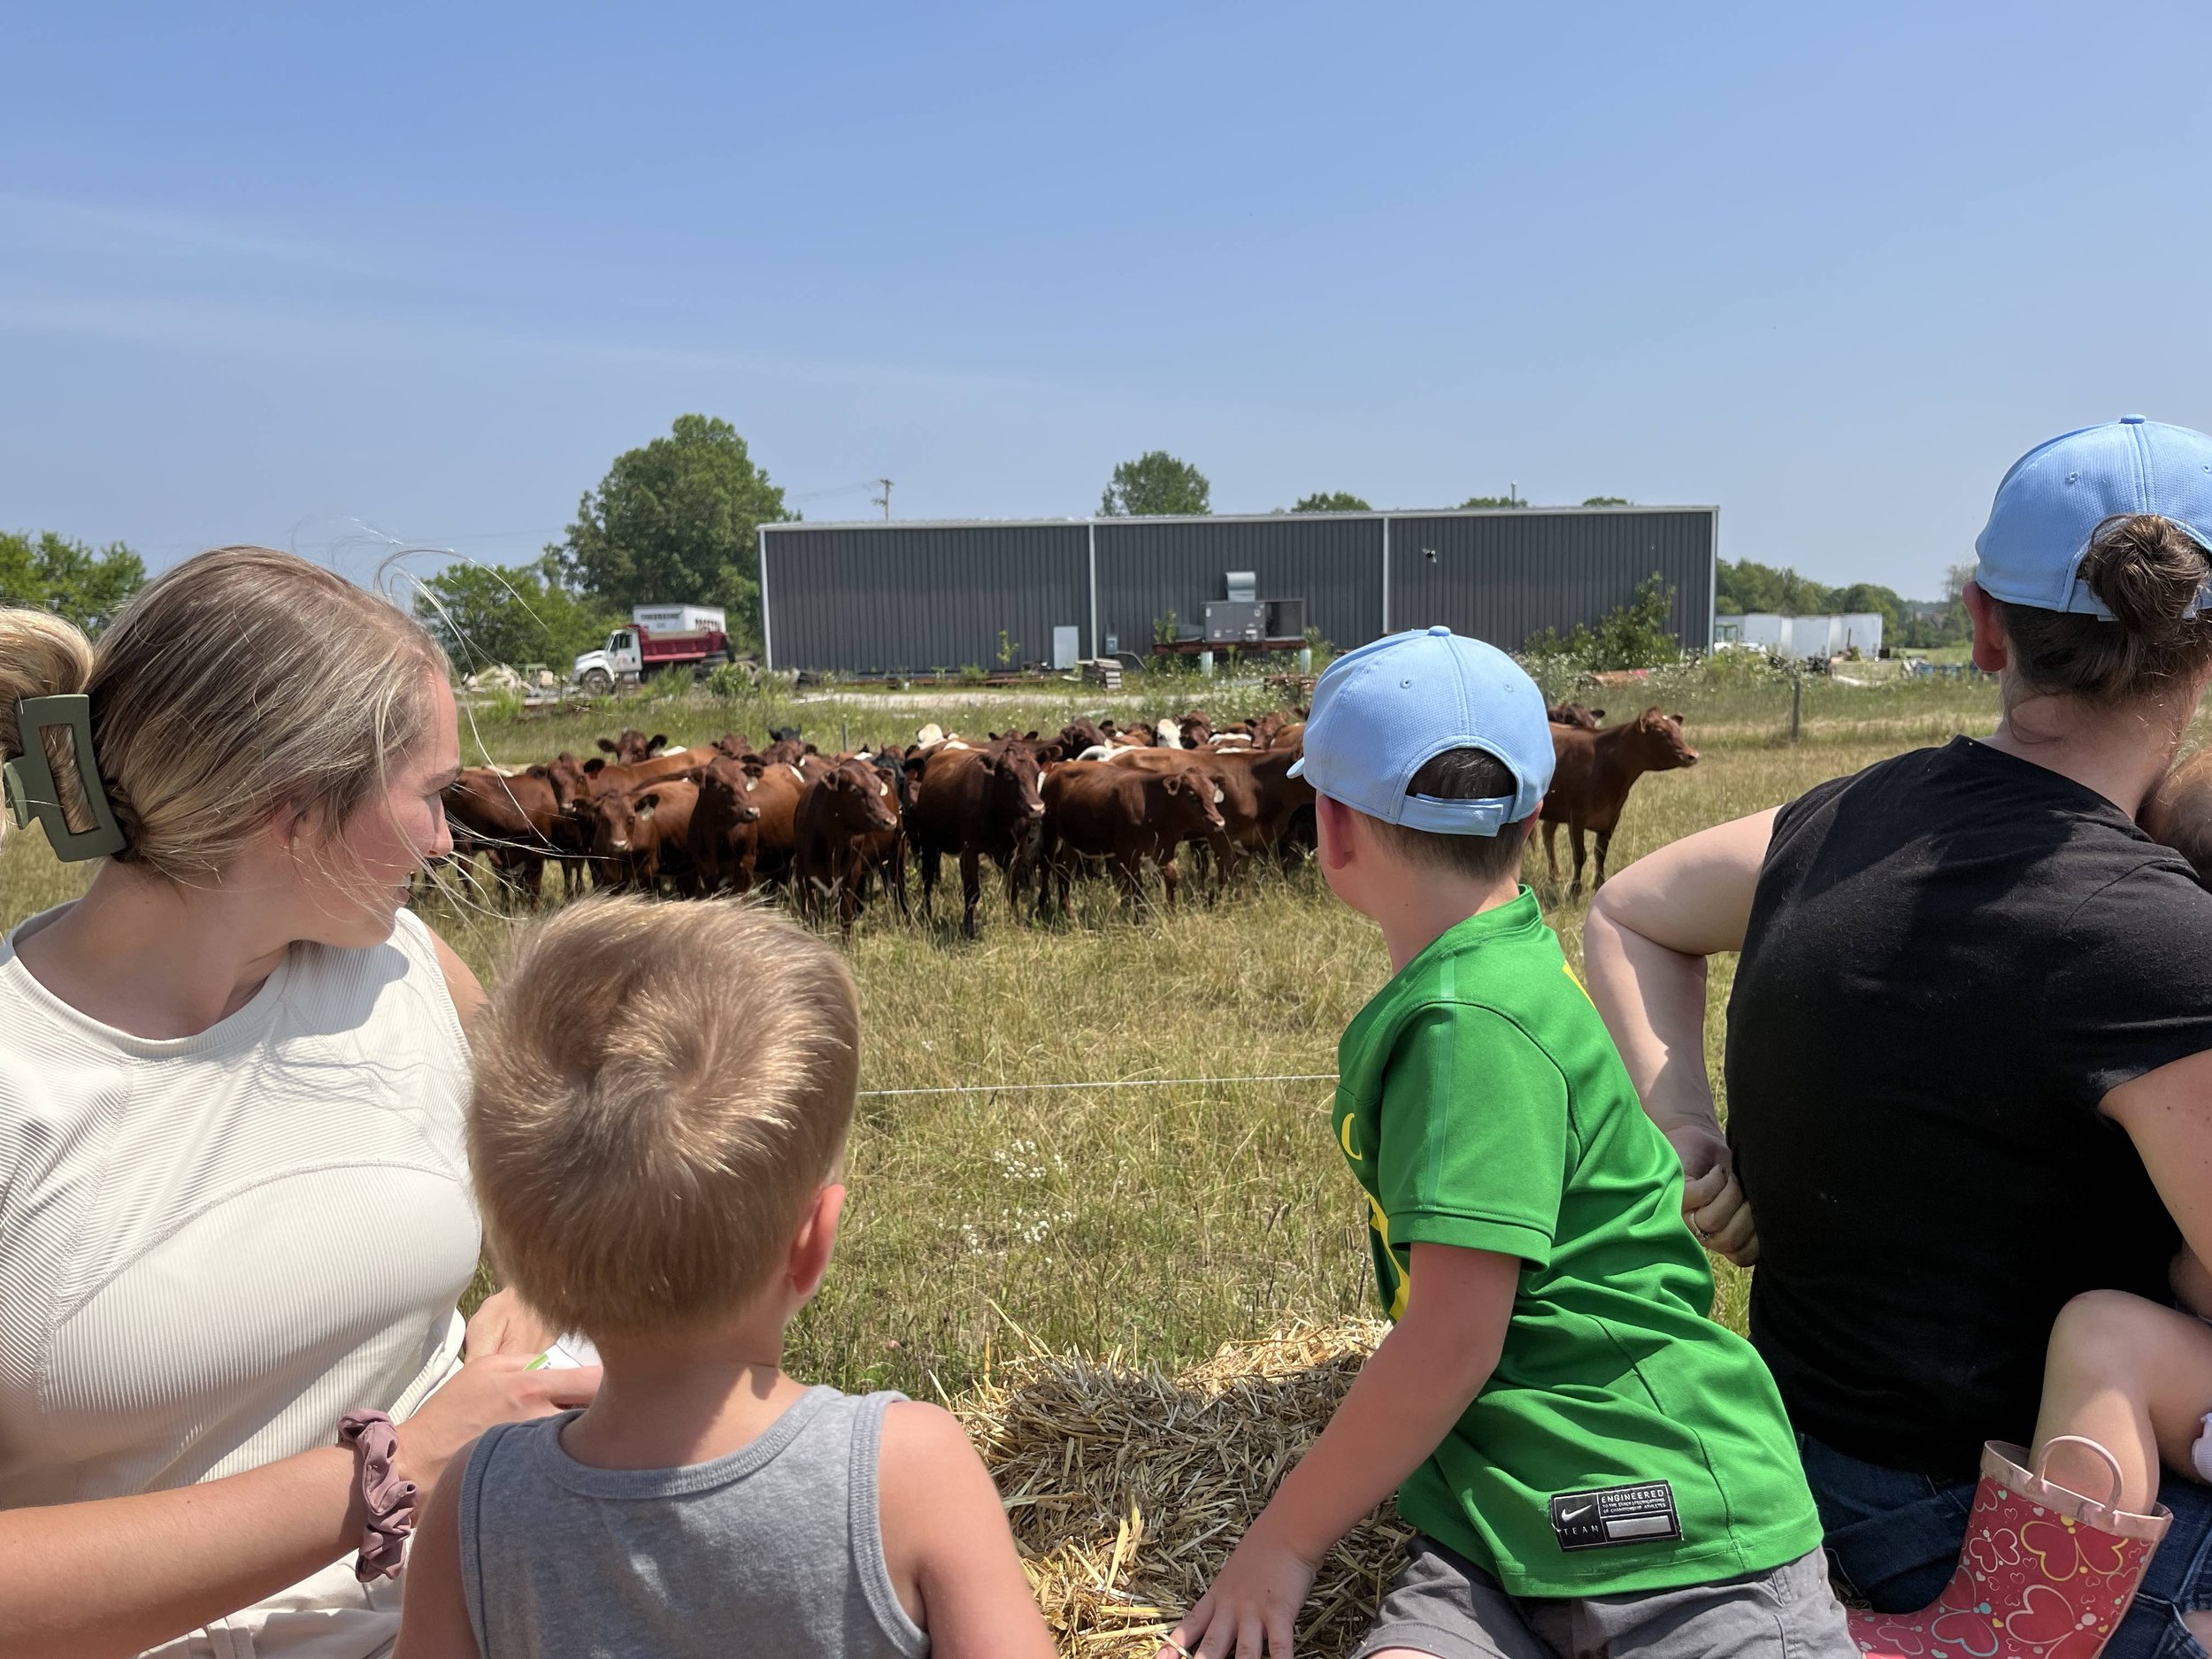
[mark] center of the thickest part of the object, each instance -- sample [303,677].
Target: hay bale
[1127,1488]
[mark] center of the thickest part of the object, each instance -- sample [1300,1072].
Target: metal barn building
[878,597]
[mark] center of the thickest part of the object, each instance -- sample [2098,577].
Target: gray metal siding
[1149,567]
[875,601]
[913,597]
[1502,577]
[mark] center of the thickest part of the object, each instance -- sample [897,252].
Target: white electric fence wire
[1138,1082]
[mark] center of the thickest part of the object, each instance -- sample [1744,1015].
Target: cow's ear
[594,765]
[1677,719]
[645,803]
[1171,785]
[657,740]
[1597,714]
[605,746]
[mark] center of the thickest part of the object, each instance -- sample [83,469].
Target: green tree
[1607,501]
[68,578]
[1156,482]
[1332,500]
[1492,501]
[484,615]
[677,522]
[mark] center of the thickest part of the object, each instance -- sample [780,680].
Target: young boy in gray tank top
[661,1102]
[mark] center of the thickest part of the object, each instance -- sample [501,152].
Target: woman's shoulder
[401,986]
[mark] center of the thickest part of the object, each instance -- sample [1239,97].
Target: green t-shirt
[1483,1105]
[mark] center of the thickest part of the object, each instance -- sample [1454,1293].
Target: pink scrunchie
[369,1437]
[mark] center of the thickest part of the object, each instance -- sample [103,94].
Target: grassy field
[1161,1218]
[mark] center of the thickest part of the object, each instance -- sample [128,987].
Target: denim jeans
[1894,1538]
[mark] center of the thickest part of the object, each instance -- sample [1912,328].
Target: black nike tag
[1608,1516]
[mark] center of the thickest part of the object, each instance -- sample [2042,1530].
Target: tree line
[678,520]
[1743,585]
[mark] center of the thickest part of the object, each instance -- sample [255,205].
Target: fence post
[1797,703]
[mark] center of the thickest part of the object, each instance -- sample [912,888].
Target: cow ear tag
[32,792]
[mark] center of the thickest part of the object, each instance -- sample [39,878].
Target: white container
[680,619]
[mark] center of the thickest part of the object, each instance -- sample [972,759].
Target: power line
[1139,1082]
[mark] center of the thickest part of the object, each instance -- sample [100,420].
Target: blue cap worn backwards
[2050,504]
[1386,711]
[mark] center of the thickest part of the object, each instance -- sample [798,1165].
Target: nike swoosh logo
[1576,1515]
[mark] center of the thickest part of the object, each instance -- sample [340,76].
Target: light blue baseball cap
[1384,712]
[2050,504]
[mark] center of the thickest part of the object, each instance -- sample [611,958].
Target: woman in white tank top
[234,1203]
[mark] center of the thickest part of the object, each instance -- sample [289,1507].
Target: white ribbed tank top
[212,1247]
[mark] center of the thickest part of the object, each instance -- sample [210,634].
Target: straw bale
[1127,1488]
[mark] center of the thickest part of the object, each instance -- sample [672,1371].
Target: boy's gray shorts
[1442,1603]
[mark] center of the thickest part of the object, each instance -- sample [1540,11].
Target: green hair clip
[31,789]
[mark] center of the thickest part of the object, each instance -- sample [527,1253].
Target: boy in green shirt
[1594,1467]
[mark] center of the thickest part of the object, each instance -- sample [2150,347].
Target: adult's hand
[507,1325]
[1712,1199]
[497,1387]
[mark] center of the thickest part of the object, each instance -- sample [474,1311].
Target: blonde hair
[240,683]
[660,1091]
[2179,811]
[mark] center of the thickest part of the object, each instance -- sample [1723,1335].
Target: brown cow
[1263,808]
[630,746]
[1579,714]
[1592,776]
[1081,733]
[840,818]
[1123,815]
[885,852]
[725,839]
[515,820]
[601,777]
[1266,726]
[641,835]
[976,805]
[1195,728]
[777,786]
[737,745]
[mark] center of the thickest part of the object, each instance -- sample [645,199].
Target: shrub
[1634,635]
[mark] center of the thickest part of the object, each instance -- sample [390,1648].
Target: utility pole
[884,500]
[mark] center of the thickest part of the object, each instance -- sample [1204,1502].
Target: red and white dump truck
[659,637]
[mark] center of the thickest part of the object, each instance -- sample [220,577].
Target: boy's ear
[1333,820]
[816,1241]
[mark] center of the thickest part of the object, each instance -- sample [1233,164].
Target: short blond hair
[2179,811]
[243,682]
[660,1091]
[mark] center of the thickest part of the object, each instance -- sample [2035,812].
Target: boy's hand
[1712,1202]
[1251,1607]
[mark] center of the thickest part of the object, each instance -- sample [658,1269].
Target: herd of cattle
[830,829]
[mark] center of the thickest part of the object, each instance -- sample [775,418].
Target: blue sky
[278,274]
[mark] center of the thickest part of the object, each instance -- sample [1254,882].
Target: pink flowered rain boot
[2045,1572]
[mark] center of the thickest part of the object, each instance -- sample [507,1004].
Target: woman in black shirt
[1969,1046]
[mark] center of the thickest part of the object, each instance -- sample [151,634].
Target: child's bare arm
[945,1542]
[1408,1395]
[433,1621]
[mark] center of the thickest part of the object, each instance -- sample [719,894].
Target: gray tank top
[776,1549]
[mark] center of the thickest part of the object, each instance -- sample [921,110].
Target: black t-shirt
[1952,958]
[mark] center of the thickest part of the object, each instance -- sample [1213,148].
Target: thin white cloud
[45,224]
